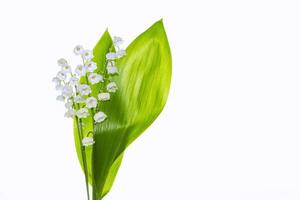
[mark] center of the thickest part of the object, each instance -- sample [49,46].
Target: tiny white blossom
[87,55]
[111,56]
[82,113]
[80,70]
[60,98]
[79,99]
[61,75]
[112,87]
[67,91]
[100,117]
[74,81]
[84,89]
[118,41]
[104,96]
[91,102]
[70,113]
[78,50]
[111,69]
[95,78]
[59,87]
[66,69]
[88,141]
[121,53]
[56,80]
[69,104]
[90,66]
[62,62]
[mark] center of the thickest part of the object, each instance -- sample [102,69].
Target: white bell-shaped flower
[90,66]
[80,70]
[79,99]
[91,102]
[87,55]
[62,62]
[111,56]
[88,141]
[59,87]
[62,75]
[112,70]
[104,96]
[84,89]
[95,78]
[56,80]
[60,98]
[112,87]
[118,41]
[82,113]
[69,104]
[74,81]
[70,113]
[67,91]
[120,53]
[66,69]
[78,50]
[100,117]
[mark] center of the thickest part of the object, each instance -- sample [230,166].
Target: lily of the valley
[100,117]
[67,91]
[60,98]
[84,89]
[88,141]
[111,68]
[69,104]
[87,55]
[117,41]
[70,113]
[79,99]
[82,113]
[62,62]
[78,50]
[95,78]
[112,87]
[75,85]
[66,69]
[80,70]
[56,80]
[74,81]
[91,102]
[61,75]
[59,87]
[104,96]
[90,66]
[111,56]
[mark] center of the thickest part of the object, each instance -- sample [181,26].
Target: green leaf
[112,175]
[144,82]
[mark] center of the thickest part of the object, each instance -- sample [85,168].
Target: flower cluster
[75,84]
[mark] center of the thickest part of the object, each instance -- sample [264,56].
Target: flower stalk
[77,94]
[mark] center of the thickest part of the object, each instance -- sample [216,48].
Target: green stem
[84,163]
[94,194]
[92,112]
[80,134]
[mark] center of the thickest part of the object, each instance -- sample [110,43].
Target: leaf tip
[106,31]
[159,23]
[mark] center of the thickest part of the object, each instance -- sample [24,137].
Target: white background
[230,129]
